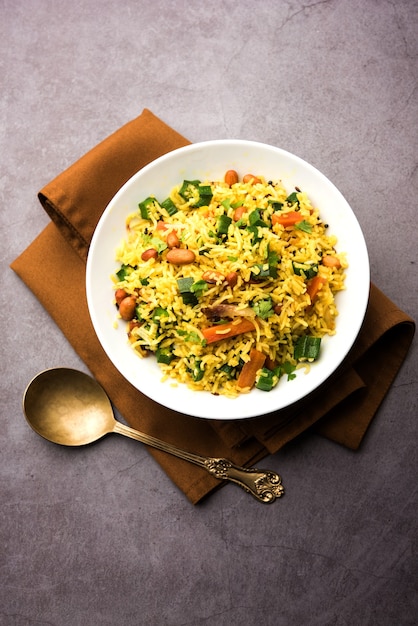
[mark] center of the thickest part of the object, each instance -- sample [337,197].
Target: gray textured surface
[100,536]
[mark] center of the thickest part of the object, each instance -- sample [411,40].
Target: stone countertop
[100,535]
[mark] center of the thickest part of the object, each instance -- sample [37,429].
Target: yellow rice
[154,282]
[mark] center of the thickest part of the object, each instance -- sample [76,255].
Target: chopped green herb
[255,222]
[277,206]
[199,287]
[292,198]
[288,368]
[263,308]
[254,219]
[124,271]
[272,261]
[158,314]
[257,235]
[191,336]
[154,242]
[308,270]
[223,224]
[158,245]
[184,286]
[194,337]
[272,258]
[305,226]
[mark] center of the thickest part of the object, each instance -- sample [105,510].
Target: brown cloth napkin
[53,267]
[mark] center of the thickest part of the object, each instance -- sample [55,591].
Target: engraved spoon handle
[264,485]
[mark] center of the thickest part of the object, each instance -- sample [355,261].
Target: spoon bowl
[70,408]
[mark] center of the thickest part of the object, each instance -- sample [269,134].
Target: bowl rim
[206,410]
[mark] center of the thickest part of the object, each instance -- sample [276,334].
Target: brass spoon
[70,408]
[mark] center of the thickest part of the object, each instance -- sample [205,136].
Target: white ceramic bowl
[209,160]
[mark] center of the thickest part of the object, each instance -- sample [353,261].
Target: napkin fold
[53,267]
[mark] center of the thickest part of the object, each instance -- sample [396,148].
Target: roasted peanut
[213,277]
[277,309]
[231,278]
[231,177]
[250,178]
[173,240]
[127,308]
[239,212]
[180,256]
[331,261]
[151,253]
[120,294]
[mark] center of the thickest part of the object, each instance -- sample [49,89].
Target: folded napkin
[53,267]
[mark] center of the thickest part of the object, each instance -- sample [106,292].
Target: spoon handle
[264,485]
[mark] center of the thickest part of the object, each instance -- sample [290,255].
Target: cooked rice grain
[204,366]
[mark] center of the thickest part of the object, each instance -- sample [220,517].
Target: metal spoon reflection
[70,408]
